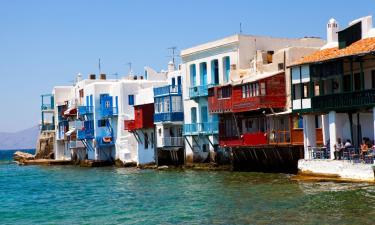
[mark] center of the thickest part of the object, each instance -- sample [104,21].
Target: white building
[210,64]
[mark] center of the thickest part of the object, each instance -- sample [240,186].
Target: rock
[163,167]
[44,147]
[22,156]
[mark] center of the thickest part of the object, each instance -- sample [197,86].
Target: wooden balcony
[167,90]
[172,141]
[350,100]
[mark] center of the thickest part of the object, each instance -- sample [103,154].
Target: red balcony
[143,118]
[259,94]
[247,139]
[129,125]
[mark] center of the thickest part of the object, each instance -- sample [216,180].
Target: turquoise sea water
[74,195]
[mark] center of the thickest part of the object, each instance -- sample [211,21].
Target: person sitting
[338,149]
[364,147]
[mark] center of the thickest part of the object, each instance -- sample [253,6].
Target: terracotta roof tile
[358,47]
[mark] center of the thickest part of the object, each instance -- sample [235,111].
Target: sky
[46,43]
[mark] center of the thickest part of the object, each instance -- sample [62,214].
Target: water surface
[74,195]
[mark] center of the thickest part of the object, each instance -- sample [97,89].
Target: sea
[110,195]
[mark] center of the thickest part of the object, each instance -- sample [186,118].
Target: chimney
[92,76]
[170,66]
[103,76]
[332,29]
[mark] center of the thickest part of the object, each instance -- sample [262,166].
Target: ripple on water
[73,195]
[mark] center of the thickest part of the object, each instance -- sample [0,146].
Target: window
[215,71]
[226,68]
[297,122]
[81,93]
[297,91]
[146,140]
[346,81]
[179,80]
[203,73]
[131,99]
[193,112]
[159,131]
[357,82]
[372,78]
[204,114]
[225,92]
[306,90]
[316,88]
[173,81]
[102,123]
[193,75]
[152,139]
[146,74]
[262,88]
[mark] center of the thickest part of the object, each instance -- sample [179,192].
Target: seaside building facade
[89,117]
[169,119]
[335,87]
[210,71]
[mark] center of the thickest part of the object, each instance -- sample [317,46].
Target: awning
[71,111]
[70,132]
[280,113]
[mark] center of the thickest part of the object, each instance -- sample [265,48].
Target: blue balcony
[201,128]
[87,132]
[167,90]
[47,102]
[105,141]
[199,91]
[109,112]
[85,110]
[173,116]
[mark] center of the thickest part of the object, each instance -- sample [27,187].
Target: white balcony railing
[173,141]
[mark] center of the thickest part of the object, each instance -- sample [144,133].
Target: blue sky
[46,43]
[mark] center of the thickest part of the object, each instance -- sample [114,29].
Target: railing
[199,91]
[46,107]
[129,125]
[167,90]
[105,141]
[256,102]
[319,153]
[201,128]
[108,112]
[85,134]
[48,127]
[173,116]
[279,137]
[344,100]
[85,110]
[173,141]
[76,144]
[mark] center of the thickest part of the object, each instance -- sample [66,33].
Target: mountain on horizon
[24,139]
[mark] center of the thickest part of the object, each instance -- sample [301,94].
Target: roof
[256,77]
[362,46]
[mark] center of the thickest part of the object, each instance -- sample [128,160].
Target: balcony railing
[46,107]
[129,125]
[109,112]
[173,116]
[344,100]
[85,110]
[199,91]
[173,141]
[201,128]
[105,141]
[76,144]
[48,127]
[167,90]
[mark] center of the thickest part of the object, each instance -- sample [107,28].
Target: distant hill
[24,139]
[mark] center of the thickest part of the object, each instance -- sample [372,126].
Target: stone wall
[44,146]
[337,168]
